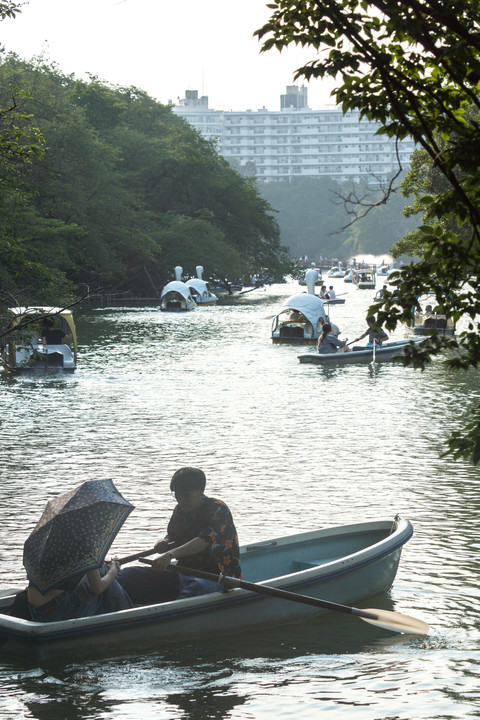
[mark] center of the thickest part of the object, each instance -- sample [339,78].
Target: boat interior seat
[291,331]
[432,322]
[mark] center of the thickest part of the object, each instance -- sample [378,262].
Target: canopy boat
[298,319]
[364,279]
[388,351]
[200,290]
[344,564]
[431,320]
[23,349]
[176,295]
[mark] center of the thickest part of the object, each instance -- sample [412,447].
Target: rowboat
[388,351]
[24,350]
[335,301]
[343,564]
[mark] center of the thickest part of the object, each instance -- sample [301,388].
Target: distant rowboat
[387,351]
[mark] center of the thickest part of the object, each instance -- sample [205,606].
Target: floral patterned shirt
[213,523]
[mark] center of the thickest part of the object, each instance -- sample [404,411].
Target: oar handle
[144,553]
[136,556]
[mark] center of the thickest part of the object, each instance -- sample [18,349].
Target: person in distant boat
[381,293]
[428,311]
[94,593]
[331,293]
[201,535]
[328,343]
[374,332]
[323,295]
[52,335]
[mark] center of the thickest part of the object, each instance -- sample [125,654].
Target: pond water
[289,447]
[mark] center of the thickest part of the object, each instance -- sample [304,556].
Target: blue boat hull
[345,564]
[388,352]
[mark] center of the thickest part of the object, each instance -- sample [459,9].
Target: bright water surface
[290,448]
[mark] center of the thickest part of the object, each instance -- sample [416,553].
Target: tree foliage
[415,68]
[122,191]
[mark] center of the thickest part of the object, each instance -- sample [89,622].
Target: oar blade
[393,621]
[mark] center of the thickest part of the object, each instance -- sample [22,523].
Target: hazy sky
[163,47]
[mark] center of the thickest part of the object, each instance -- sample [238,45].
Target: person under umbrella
[64,555]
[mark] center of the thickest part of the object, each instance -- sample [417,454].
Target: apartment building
[297,141]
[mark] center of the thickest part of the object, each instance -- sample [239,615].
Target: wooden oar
[145,553]
[396,622]
[136,556]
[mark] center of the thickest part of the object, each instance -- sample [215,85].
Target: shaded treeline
[315,217]
[125,191]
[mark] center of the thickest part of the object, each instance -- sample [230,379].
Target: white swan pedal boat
[344,564]
[383,353]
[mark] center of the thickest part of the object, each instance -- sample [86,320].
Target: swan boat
[303,278]
[23,348]
[343,564]
[386,352]
[348,277]
[298,319]
[199,289]
[336,272]
[386,270]
[176,295]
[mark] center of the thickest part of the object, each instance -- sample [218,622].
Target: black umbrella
[74,534]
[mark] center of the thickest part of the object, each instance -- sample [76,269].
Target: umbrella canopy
[74,534]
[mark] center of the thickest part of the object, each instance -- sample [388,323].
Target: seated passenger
[328,343]
[321,322]
[53,336]
[97,592]
[380,293]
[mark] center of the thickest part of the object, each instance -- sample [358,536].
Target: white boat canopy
[179,287]
[201,287]
[309,305]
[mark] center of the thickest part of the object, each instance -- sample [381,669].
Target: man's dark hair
[188,478]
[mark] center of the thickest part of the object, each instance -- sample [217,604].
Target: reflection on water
[290,447]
